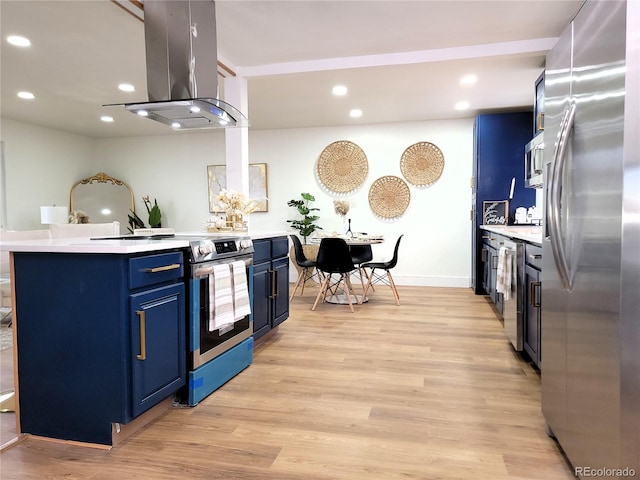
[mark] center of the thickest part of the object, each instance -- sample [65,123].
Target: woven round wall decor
[389,196]
[422,164]
[342,167]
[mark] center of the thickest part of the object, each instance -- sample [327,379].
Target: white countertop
[528,233]
[86,245]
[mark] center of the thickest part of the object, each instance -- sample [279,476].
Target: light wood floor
[428,390]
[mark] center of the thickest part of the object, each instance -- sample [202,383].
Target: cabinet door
[261,299]
[532,313]
[281,298]
[157,345]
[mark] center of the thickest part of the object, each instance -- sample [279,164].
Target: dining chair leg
[306,276]
[348,290]
[322,293]
[366,288]
[360,270]
[301,278]
[393,288]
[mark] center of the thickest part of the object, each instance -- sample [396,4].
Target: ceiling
[401,60]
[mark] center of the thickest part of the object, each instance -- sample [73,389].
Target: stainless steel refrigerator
[590,350]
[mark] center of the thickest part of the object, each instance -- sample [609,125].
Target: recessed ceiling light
[339,90]
[26,95]
[355,113]
[176,125]
[143,113]
[18,41]
[462,105]
[126,87]
[106,118]
[470,79]
[194,109]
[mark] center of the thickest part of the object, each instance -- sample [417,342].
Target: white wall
[172,168]
[41,166]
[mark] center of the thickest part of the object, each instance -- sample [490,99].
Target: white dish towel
[241,305]
[503,273]
[220,297]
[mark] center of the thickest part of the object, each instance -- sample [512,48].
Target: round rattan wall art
[389,197]
[342,167]
[422,164]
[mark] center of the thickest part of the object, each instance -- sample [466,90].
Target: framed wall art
[495,213]
[217,180]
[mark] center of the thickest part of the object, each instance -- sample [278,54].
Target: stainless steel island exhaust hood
[182,67]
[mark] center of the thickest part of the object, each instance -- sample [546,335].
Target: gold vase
[234,221]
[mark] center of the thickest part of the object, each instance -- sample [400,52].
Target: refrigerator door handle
[554,196]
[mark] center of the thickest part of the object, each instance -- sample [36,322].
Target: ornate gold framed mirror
[104,199]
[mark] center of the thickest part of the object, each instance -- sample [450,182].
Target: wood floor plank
[430,389]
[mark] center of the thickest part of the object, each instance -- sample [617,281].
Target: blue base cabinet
[499,141]
[101,339]
[270,284]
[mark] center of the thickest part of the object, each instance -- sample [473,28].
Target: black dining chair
[361,254]
[386,277]
[309,270]
[334,258]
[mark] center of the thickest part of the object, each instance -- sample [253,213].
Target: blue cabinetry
[532,303]
[101,339]
[499,141]
[270,284]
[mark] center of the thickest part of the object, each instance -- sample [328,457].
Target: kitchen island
[99,334]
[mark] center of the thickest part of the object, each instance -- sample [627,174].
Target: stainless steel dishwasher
[512,302]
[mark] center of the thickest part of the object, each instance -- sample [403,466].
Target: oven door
[204,344]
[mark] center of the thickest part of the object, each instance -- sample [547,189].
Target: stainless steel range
[220,280]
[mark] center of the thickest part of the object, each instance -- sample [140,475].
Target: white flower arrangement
[235,203]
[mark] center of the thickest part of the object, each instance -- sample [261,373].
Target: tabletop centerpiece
[236,207]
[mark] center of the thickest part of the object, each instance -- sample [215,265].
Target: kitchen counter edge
[86,245]
[530,234]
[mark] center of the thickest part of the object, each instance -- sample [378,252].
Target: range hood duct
[182,67]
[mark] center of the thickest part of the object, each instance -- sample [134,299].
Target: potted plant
[307,225]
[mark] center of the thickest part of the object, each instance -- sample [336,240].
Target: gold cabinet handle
[535,257]
[276,288]
[143,338]
[164,268]
[532,294]
[540,121]
[272,275]
[494,265]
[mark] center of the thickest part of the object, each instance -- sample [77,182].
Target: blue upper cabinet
[538,106]
[499,141]
[499,157]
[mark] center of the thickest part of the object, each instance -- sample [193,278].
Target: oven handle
[206,268]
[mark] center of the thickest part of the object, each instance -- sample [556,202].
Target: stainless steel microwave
[533,162]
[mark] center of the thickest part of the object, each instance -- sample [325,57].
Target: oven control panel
[226,247]
[205,249]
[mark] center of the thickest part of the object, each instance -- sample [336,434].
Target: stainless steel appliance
[590,352]
[533,161]
[214,355]
[512,303]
